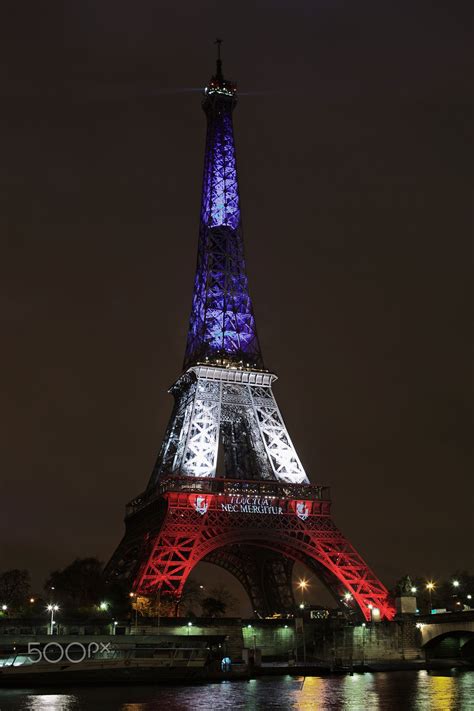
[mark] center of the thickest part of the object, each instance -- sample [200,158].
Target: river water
[393,691]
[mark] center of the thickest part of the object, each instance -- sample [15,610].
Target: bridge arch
[453,644]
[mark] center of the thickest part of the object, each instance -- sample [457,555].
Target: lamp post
[430,587]
[52,609]
[363,646]
[302,584]
[132,596]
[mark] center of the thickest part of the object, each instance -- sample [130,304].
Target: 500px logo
[74,652]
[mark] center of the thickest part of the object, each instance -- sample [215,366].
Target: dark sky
[354,143]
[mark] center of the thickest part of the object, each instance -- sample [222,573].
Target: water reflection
[391,691]
[50,702]
[440,691]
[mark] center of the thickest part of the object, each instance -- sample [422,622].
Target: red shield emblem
[200,502]
[303,509]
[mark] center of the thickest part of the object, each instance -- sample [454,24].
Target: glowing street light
[456,583]
[4,608]
[302,584]
[413,589]
[347,596]
[104,606]
[32,599]
[430,586]
[52,609]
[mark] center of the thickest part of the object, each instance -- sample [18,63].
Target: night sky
[354,144]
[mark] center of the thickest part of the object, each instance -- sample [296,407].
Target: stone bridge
[448,635]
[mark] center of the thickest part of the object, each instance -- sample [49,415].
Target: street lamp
[347,596]
[413,589]
[456,583]
[104,606]
[302,584]
[430,587]
[52,609]
[132,595]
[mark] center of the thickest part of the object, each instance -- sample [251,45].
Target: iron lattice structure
[222,323]
[228,486]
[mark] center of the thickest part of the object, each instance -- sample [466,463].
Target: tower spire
[219,74]
[222,326]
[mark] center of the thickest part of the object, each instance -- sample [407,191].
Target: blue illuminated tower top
[222,326]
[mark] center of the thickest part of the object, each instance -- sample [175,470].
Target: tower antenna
[219,61]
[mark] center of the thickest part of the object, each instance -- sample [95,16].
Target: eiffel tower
[228,486]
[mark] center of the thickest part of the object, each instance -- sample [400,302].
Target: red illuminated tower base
[190,520]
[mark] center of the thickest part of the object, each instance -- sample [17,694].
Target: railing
[230,487]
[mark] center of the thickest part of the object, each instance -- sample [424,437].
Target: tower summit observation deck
[228,486]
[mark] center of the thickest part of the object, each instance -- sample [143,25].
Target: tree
[219,601]
[223,594]
[78,585]
[212,607]
[191,597]
[14,588]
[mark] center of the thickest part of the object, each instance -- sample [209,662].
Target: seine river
[394,691]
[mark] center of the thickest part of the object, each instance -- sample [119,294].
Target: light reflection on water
[393,691]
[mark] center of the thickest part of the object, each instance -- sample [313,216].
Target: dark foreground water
[394,691]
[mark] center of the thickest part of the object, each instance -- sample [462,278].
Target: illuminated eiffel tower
[228,486]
